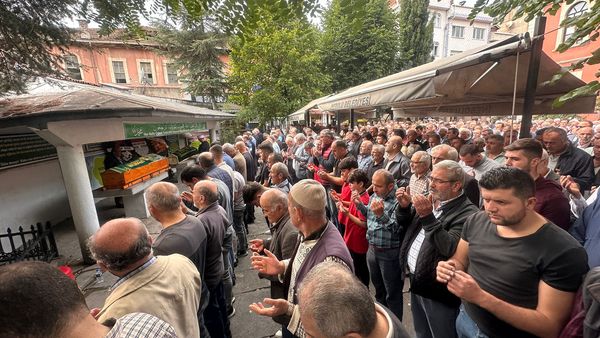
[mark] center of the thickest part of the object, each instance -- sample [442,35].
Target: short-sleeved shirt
[345,196]
[355,236]
[187,238]
[511,268]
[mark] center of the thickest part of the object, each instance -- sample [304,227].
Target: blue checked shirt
[382,232]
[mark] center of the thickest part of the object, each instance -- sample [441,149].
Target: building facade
[118,61]
[453,32]
[556,35]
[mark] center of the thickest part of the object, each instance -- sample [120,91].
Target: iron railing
[36,244]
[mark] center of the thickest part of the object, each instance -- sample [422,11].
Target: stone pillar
[79,191]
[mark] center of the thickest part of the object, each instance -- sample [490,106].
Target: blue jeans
[433,319]
[386,275]
[466,327]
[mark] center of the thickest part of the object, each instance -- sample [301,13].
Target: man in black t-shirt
[515,272]
[181,233]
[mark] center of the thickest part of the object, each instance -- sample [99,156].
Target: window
[72,66]
[146,75]
[437,19]
[171,71]
[119,72]
[458,32]
[478,33]
[575,11]
[435,50]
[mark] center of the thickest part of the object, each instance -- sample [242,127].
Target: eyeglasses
[438,181]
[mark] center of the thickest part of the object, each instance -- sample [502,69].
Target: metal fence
[35,244]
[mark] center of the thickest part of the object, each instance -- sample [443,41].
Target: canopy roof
[298,115]
[56,100]
[476,82]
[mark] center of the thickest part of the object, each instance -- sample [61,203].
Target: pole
[79,192]
[537,42]
[352,119]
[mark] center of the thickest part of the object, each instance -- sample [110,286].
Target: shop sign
[141,130]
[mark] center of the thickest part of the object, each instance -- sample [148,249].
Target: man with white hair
[466,135]
[279,177]
[434,225]
[300,157]
[319,241]
[420,163]
[364,158]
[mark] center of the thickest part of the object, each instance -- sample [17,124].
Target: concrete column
[135,206]
[79,191]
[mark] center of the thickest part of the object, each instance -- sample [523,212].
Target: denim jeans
[386,275]
[433,319]
[466,327]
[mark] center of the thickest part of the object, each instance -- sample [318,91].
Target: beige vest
[168,289]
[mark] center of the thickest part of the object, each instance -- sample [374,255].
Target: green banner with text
[138,130]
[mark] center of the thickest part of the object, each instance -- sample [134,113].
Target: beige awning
[298,115]
[475,82]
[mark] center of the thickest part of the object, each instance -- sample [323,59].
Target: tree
[586,26]
[31,40]
[275,69]
[416,34]
[33,35]
[359,48]
[197,52]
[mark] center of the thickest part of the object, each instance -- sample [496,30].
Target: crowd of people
[495,232]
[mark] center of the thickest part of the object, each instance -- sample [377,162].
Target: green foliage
[30,30]
[586,26]
[275,69]
[358,48]
[197,53]
[416,34]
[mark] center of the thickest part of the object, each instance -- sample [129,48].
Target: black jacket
[579,165]
[441,240]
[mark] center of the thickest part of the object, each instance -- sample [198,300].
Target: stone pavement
[248,289]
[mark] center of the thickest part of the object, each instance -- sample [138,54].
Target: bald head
[241,146]
[163,197]
[274,203]
[205,193]
[206,160]
[394,145]
[121,244]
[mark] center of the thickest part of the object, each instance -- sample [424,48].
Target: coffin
[125,175]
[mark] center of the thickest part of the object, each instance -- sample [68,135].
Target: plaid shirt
[383,232]
[141,325]
[364,161]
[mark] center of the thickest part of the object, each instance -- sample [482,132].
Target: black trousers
[361,269]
